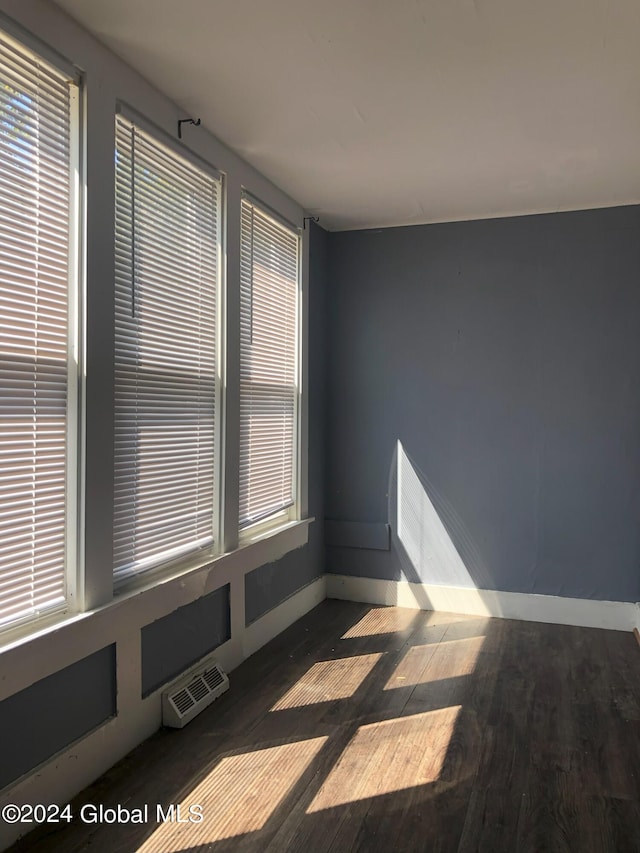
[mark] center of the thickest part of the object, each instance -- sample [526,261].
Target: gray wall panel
[356,534]
[55,712]
[172,644]
[504,356]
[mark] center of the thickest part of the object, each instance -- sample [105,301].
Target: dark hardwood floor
[382,729]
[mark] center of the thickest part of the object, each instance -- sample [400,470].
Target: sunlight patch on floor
[381,620]
[448,659]
[237,797]
[389,756]
[328,680]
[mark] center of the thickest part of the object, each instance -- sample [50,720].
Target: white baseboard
[264,629]
[614,615]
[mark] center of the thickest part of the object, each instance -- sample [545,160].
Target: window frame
[41,53]
[89,567]
[185,561]
[286,516]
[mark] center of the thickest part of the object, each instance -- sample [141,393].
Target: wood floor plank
[491,820]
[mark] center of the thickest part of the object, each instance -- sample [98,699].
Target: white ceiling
[387,112]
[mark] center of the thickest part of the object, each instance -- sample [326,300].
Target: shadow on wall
[429,538]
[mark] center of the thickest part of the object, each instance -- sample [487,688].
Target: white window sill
[274,524]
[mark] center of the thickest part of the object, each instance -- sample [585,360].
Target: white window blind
[37,157]
[167,268]
[268,365]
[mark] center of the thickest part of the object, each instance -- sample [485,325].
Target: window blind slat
[167,271]
[268,365]
[36,116]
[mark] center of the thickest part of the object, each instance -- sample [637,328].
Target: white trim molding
[586,613]
[636,624]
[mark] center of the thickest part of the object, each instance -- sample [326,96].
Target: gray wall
[171,644]
[269,585]
[55,712]
[504,355]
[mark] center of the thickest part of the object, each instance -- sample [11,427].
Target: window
[167,384]
[38,370]
[269,367]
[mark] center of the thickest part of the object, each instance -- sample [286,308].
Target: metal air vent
[192,693]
